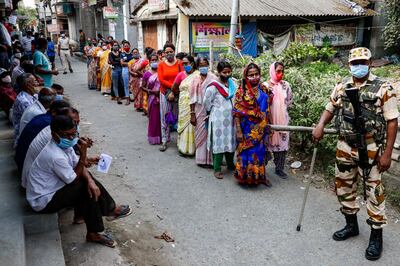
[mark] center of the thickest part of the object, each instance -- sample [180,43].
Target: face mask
[78,129]
[154,65]
[254,81]
[225,78]
[115,49]
[127,49]
[18,55]
[170,57]
[62,35]
[136,56]
[67,143]
[187,68]
[359,71]
[105,47]
[6,79]
[203,70]
[58,97]
[279,76]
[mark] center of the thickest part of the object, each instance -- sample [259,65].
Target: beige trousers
[65,59]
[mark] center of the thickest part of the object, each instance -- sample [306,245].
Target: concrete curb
[28,238]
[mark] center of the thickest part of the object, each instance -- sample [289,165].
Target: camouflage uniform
[380,99]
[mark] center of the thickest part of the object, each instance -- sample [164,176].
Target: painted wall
[183,33]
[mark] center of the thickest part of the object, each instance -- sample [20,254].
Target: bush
[299,53]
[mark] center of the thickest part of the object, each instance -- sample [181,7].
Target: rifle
[358,123]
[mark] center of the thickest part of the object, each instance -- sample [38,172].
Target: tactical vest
[375,124]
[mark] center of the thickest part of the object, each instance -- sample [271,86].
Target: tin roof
[258,8]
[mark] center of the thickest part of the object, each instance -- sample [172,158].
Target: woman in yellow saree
[186,131]
[105,70]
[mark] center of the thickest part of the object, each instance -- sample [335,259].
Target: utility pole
[234,19]
[45,19]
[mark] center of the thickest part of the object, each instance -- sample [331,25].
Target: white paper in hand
[104,163]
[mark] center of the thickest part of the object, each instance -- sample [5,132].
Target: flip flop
[105,240]
[125,211]
[219,175]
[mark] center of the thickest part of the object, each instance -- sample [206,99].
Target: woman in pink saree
[151,85]
[198,114]
[282,99]
[136,68]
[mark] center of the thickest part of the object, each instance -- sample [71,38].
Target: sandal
[163,147]
[104,240]
[125,210]
[78,220]
[267,183]
[219,175]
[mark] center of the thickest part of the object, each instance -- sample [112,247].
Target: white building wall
[140,38]
[161,33]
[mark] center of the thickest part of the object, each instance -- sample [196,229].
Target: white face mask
[6,79]
[18,55]
[63,35]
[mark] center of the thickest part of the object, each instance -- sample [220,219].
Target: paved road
[213,222]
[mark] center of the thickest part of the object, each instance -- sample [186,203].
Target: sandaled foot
[163,147]
[120,212]
[219,175]
[127,102]
[78,220]
[102,239]
[267,183]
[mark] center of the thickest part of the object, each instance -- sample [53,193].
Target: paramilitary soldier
[365,111]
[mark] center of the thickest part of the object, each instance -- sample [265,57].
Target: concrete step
[43,240]
[27,238]
[12,242]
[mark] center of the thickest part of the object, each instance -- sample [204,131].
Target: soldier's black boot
[374,249]
[351,228]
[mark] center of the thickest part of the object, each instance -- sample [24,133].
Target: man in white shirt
[40,106]
[65,52]
[44,137]
[24,99]
[59,179]
[27,44]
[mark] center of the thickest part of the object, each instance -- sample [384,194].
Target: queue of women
[215,117]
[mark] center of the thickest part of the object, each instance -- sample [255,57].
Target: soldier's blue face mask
[359,71]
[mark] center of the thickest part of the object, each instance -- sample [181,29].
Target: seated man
[58,88]
[59,179]
[40,106]
[33,128]
[24,99]
[18,71]
[44,137]
[7,93]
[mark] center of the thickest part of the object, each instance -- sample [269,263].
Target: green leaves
[391,32]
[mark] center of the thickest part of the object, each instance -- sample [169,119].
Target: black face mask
[225,78]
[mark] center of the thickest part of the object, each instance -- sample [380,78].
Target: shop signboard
[158,5]
[53,28]
[337,35]
[110,12]
[204,32]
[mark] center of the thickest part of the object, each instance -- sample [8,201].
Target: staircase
[26,238]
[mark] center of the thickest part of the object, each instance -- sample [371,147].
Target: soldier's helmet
[359,53]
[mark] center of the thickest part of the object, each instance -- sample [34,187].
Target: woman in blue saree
[251,117]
